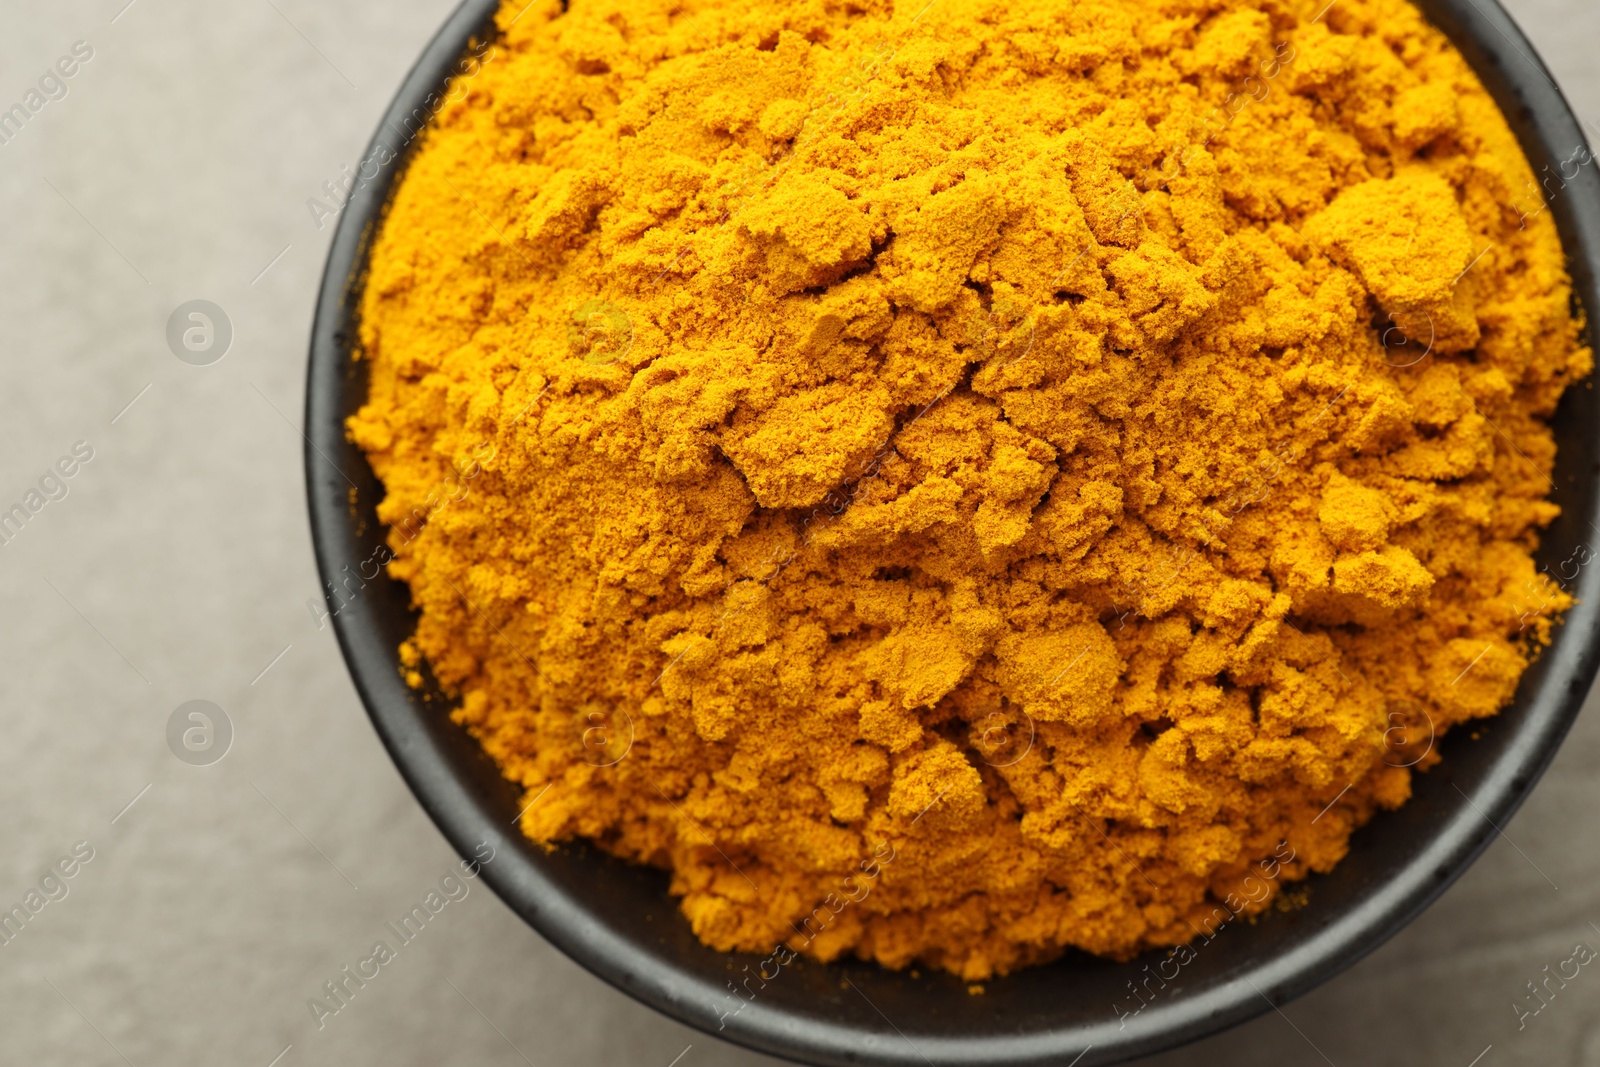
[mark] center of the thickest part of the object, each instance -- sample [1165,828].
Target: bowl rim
[1509,68]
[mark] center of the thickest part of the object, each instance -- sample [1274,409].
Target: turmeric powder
[1078,445]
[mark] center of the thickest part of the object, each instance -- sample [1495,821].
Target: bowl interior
[618,920]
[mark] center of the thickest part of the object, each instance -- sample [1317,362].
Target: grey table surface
[178,567]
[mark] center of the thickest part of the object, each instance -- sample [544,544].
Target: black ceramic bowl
[618,921]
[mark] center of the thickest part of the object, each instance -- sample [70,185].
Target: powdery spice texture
[1073,443]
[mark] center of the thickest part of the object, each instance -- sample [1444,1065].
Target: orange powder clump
[1067,444]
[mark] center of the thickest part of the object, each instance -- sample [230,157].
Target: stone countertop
[215,900]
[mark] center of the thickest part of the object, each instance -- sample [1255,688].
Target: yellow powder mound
[1062,446]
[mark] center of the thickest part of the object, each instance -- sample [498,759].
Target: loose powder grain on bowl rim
[1084,448]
